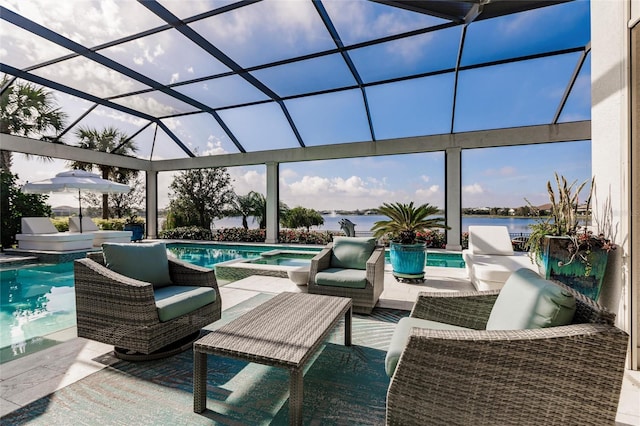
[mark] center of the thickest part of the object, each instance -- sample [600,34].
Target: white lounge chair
[38,233]
[99,236]
[490,258]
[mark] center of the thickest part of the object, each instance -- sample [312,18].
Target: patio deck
[32,377]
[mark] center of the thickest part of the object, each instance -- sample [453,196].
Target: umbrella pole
[80,209]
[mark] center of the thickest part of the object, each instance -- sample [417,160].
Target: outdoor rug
[342,386]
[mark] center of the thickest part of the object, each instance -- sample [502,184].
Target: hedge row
[433,239]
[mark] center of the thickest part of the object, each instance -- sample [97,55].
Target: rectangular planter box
[556,264]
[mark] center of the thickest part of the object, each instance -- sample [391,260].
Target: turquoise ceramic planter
[137,230]
[555,265]
[408,259]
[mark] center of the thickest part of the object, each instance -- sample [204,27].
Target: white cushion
[401,334]
[499,268]
[87,224]
[490,240]
[38,225]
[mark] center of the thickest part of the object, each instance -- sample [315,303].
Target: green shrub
[295,236]
[111,224]
[187,233]
[239,235]
[61,223]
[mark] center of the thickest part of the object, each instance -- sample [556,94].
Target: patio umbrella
[75,180]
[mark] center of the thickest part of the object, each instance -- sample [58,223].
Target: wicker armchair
[121,311]
[559,375]
[363,299]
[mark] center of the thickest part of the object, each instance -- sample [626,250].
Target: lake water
[364,223]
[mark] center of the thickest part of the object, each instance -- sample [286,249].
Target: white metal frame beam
[562,132]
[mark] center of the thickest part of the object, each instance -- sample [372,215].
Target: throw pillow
[528,301]
[144,262]
[352,252]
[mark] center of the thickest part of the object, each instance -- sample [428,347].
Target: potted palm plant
[563,245]
[406,248]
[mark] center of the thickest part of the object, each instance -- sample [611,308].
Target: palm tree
[260,209]
[26,110]
[244,205]
[112,141]
[405,221]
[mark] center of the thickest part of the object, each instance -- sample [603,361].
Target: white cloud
[288,174]
[245,181]
[427,193]
[425,178]
[214,146]
[310,185]
[354,185]
[475,188]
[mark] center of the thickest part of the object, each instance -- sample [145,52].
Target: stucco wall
[611,155]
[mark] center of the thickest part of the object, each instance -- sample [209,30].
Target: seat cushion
[173,301]
[144,262]
[87,224]
[401,336]
[490,240]
[37,225]
[337,277]
[351,252]
[528,301]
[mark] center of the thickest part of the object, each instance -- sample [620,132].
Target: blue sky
[504,95]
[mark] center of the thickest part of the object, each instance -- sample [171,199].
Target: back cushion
[37,225]
[87,224]
[527,301]
[352,252]
[490,240]
[144,262]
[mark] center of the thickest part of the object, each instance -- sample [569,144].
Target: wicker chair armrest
[104,292]
[468,309]
[319,262]
[509,377]
[187,274]
[96,256]
[376,258]
[375,268]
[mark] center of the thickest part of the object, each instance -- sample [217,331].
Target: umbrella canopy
[76,180]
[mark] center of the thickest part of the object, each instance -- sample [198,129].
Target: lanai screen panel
[271,74]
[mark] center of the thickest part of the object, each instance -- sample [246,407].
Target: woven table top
[284,331]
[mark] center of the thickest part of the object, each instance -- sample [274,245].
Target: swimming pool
[37,303]
[208,255]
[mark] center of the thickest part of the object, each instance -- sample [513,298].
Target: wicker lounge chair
[569,374]
[349,267]
[133,315]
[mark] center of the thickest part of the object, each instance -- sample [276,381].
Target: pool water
[35,301]
[208,255]
[282,261]
[446,260]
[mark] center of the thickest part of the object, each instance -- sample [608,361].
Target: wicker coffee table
[282,332]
